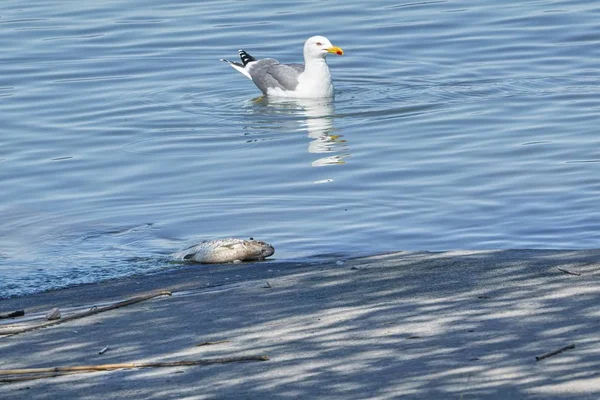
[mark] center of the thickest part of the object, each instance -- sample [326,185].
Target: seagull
[309,80]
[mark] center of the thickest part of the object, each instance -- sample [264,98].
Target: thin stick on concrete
[555,352]
[211,343]
[38,376]
[50,372]
[93,311]
[566,271]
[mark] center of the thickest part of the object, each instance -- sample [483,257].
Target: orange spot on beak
[336,50]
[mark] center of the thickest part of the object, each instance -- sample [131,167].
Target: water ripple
[470,125]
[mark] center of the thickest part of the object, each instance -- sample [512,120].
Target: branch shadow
[465,325]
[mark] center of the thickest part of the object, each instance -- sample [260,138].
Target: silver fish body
[226,250]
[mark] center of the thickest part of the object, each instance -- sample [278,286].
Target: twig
[267,285]
[104,350]
[566,271]
[93,311]
[555,352]
[58,371]
[14,314]
[211,343]
[38,376]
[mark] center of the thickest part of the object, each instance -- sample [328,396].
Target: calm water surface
[456,124]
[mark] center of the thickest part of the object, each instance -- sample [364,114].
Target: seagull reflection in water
[318,115]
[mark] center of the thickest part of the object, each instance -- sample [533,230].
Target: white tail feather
[240,68]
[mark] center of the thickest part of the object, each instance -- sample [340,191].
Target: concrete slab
[464,325]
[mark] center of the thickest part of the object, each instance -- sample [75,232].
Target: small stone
[53,314]
[339,262]
[237,261]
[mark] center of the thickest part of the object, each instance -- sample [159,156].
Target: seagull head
[320,46]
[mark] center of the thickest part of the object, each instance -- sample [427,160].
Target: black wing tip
[246,58]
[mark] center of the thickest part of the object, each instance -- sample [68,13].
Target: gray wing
[268,73]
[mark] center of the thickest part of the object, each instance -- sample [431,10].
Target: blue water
[456,124]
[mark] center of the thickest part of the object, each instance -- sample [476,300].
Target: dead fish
[226,250]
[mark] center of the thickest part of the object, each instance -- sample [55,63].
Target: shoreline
[422,324]
[178,274]
[185,276]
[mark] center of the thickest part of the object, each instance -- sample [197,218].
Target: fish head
[260,249]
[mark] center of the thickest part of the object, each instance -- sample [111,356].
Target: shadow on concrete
[464,325]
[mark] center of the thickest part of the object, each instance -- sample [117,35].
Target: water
[456,124]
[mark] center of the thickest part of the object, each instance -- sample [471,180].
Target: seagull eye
[319,44]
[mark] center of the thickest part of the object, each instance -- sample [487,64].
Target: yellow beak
[336,50]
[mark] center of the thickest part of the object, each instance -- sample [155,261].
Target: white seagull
[309,80]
